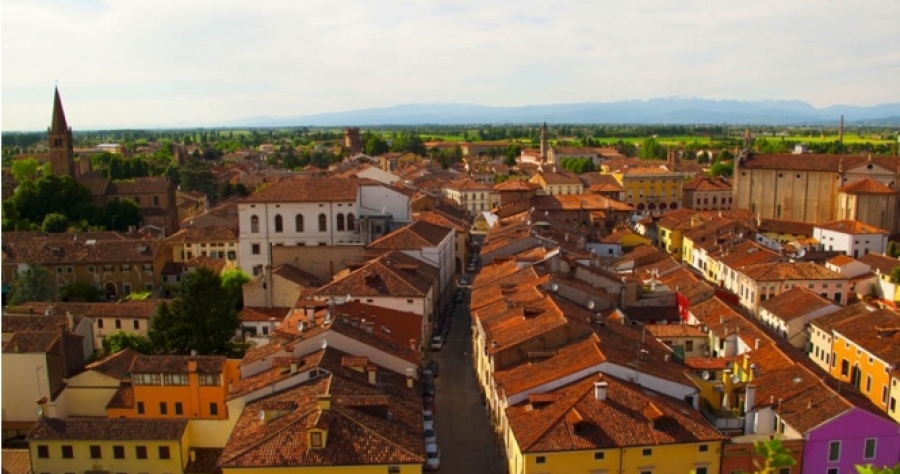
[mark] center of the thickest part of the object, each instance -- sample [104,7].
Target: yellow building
[651,188]
[109,445]
[603,424]
[672,227]
[864,352]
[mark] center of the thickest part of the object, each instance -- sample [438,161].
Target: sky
[166,63]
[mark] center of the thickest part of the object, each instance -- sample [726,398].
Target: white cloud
[133,63]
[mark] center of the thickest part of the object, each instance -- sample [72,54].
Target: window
[647,452]
[175,379]
[209,379]
[832,470]
[91,269]
[67,452]
[688,346]
[254,224]
[323,223]
[59,269]
[100,323]
[298,223]
[164,452]
[69,269]
[213,408]
[540,460]
[146,379]
[871,444]
[701,470]
[340,222]
[845,367]
[868,383]
[126,289]
[140,408]
[155,200]
[140,452]
[118,324]
[254,249]
[703,448]
[315,439]
[119,452]
[43,451]
[351,221]
[393,469]
[136,324]
[179,409]
[834,451]
[126,268]
[599,455]
[279,223]
[163,409]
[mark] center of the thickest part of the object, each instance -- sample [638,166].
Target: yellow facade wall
[83,462]
[874,377]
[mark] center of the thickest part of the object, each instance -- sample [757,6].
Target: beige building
[472,196]
[556,182]
[820,188]
[707,194]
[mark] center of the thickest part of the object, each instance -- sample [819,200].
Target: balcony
[725,419]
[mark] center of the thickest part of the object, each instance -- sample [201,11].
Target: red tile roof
[790,271]
[177,364]
[418,235]
[851,227]
[794,303]
[308,190]
[107,429]
[393,274]
[116,365]
[882,263]
[816,162]
[867,186]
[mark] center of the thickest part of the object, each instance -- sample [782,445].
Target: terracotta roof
[467,185]
[840,260]
[204,460]
[629,416]
[116,365]
[560,177]
[123,398]
[144,309]
[558,363]
[684,282]
[847,313]
[851,227]
[48,253]
[877,333]
[675,330]
[790,271]
[107,429]
[882,263]
[707,363]
[307,190]
[867,186]
[252,313]
[705,183]
[723,321]
[204,234]
[418,235]
[361,430]
[296,275]
[393,274]
[16,461]
[442,220]
[785,227]
[281,369]
[794,303]
[575,202]
[515,184]
[816,162]
[177,364]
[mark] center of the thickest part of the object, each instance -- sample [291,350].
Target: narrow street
[461,420]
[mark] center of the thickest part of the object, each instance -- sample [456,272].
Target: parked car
[430,436]
[428,387]
[464,280]
[431,369]
[428,421]
[437,343]
[428,405]
[459,297]
[432,457]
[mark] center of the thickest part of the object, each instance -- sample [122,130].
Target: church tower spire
[544,142]
[59,141]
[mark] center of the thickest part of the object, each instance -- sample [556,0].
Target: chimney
[272,325]
[600,389]
[293,367]
[756,343]
[409,377]
[749,398]
[324,401]
[412,345]
[373,374]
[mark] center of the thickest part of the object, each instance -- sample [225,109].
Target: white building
[430,243]
[472,196]
[854,238]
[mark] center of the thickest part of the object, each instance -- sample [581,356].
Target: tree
[28,169]
[55,223]
[895,274]
[893,249]
[201,318]
[31,284]
[82,292]
[374,145]
[870,469]
[775,456]
[121,340]
[651,149]
[233,281]
[722,169]
[119,215]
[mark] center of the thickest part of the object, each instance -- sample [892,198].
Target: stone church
[155,196]
[815,188]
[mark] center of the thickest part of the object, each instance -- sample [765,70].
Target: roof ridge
[298,417]
[585,391]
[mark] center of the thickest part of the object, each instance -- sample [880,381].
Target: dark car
[432,368]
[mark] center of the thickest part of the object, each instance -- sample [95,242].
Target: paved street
[461,420]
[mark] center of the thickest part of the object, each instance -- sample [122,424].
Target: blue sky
[137,63]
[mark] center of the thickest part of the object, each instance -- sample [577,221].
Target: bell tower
[59,141]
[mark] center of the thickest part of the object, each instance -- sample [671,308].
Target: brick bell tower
[59,141]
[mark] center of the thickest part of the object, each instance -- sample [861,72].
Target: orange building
[169,386]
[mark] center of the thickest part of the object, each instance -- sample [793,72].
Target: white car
[430,436]
[428,421]
[437,343]
[432,457]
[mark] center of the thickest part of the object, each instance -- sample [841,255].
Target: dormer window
[315,439]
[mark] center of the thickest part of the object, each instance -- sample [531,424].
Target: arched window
[298,223]
[340,222]
[254,224]
[351,221]
[323,223]
[279,223]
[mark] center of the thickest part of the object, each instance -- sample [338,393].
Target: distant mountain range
[654,111]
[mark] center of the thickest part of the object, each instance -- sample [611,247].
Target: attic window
[315,439]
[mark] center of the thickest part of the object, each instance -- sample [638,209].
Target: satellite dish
[262,415]
[705,375]
[349,298]
[735,379]
[324,343]
[590,304]
[554,287]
